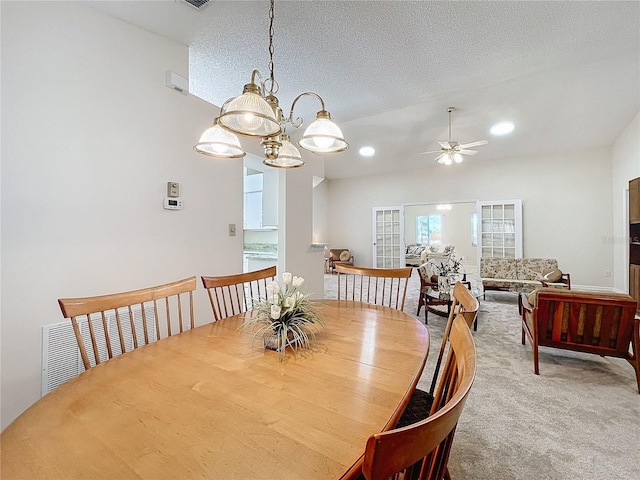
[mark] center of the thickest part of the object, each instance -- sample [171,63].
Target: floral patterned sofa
[412,254]
[433,253]
[522,275]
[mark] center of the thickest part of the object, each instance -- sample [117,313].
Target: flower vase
[273,341]
[444,283]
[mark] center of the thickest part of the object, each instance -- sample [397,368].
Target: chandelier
[257,113]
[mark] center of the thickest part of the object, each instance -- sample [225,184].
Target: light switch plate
[173,189]
[232,229]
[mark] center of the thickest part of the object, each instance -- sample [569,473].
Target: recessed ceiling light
[502,128]
[367,151]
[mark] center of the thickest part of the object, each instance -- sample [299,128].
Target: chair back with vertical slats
[602,323]
[421,450]
[588,322]
[421,404]
[467,305]
[379,286]
[233,294]
[159,309]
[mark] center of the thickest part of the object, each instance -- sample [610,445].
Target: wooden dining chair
[379,286]
[134,317]
[421,450]
[467,305]
[233,294]
[420,405]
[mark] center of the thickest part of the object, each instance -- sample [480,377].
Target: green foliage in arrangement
[286,316]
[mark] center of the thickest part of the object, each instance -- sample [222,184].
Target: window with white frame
[428,229]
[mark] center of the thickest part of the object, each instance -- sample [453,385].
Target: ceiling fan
[452,151]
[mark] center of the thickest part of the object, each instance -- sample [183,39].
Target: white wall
[321,225]
[296,229]
[566,205]
[91,135]
[626,166]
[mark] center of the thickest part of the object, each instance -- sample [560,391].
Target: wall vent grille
[61,359]
[197,3]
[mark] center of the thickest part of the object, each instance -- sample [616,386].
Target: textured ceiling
[567,73]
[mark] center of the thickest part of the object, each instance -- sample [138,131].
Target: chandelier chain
[271,77]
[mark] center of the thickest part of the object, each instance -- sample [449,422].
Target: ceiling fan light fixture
[218,142]
[502,128]
[452,151]
[444,159]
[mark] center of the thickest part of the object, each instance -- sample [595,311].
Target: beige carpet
[578,419]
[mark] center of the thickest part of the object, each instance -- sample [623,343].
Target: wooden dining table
[213,403]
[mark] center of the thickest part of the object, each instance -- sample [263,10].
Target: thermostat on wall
[172,203]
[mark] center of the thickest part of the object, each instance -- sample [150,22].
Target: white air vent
[196,3]
[61,358]
[177,82]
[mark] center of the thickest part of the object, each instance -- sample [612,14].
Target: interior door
[388,237]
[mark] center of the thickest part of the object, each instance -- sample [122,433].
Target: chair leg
[633,358]
[519,304]
[536,367]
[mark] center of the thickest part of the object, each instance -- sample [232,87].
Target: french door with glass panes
[388,237]
[500,228]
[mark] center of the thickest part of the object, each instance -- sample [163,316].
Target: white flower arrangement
[286,316]
[451,267]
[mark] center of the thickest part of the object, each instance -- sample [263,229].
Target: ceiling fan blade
[473,144]
[446,145]
[425,153]
[468,152]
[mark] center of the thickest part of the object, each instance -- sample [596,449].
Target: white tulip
[286,278]
[297,281]
[273,288]
[289,302]
[275,312]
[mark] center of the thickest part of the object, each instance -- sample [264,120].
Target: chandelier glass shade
[256,113]
[288,155]
[250,115]
[218,142]
[323,136]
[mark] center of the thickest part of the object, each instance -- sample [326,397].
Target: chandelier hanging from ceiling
[256,113]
